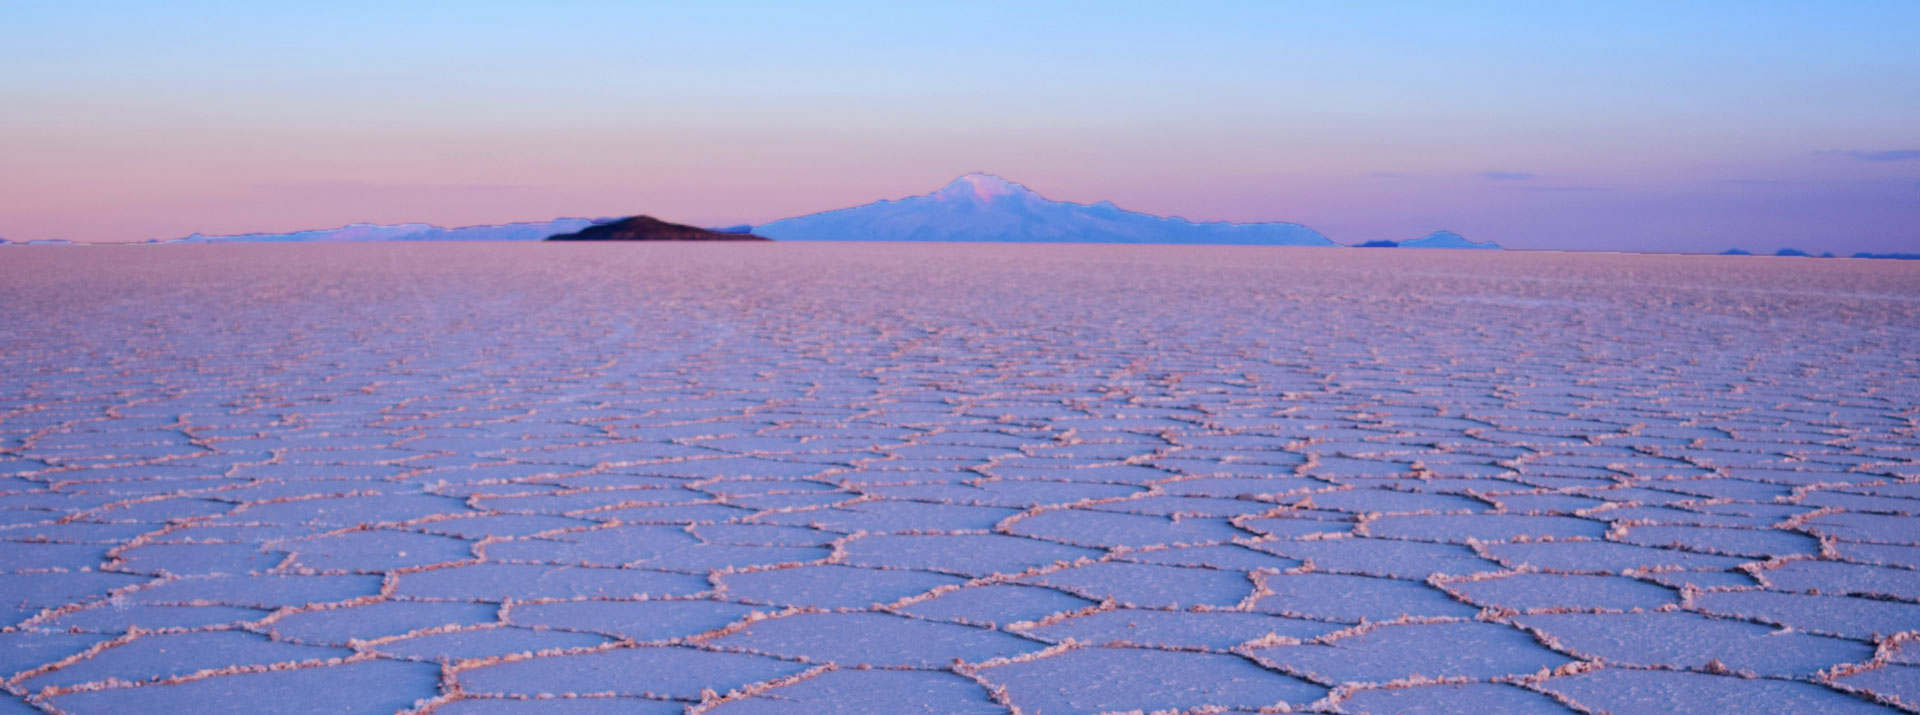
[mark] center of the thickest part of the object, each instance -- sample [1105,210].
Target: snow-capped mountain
[1448,239]
[525,231]
[984,207]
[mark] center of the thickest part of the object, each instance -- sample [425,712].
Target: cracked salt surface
[487,479]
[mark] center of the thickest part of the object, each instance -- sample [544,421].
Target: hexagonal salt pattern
[481,479]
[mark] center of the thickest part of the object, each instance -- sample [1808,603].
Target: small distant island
[648,228]
[1437,239]
[1797,253]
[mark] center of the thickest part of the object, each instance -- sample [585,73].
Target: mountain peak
[984,207]
[980,186]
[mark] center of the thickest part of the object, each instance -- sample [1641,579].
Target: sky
[1621,125]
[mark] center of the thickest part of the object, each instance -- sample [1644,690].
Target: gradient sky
[1688,126]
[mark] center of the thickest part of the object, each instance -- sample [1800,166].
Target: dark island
[648,228]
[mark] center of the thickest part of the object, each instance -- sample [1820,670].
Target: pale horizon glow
[1589,126]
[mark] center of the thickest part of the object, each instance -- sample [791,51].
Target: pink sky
[1579,126]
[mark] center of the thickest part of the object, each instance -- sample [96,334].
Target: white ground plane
[479,479]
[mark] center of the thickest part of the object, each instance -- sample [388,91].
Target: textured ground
[479,479]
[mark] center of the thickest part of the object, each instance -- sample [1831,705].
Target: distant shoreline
[1721,254]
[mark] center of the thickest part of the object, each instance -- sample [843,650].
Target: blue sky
[1622,125]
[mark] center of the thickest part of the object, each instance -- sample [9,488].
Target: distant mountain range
[526,231]
[984,207]
[976,207]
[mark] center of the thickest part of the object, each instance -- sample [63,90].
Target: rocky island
[648,228]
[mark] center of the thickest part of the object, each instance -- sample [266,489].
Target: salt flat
[506,478]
